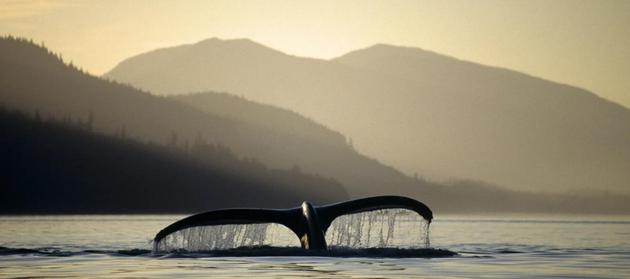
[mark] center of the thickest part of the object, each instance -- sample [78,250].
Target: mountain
[35,81]
[418,111]
[50,166]
[460,196]
[215,143]
[276,119]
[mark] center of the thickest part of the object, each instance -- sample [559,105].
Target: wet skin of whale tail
[308,222]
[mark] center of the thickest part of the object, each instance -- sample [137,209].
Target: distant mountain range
[140,135]
[418,111]
[35,80]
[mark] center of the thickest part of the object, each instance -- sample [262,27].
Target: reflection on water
[489,246]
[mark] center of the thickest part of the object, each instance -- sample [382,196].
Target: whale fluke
[308,222]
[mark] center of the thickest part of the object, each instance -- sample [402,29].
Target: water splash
[223,237]
[388,228]
[396,228]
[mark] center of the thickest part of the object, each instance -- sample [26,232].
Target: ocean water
[498,246]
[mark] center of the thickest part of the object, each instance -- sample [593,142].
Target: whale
[308,222]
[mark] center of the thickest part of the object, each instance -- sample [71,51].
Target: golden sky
[582,43]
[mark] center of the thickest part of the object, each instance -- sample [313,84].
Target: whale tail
[309,223]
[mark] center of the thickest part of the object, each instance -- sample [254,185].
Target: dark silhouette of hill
[37,82]
[61,167]
[417,110]
[32,79]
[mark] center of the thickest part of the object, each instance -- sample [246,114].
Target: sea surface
[498,246]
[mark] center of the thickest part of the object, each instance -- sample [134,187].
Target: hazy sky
[583,43]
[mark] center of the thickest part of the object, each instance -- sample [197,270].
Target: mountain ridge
[470,63]
[435,115]
[34,80]
[52,166]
